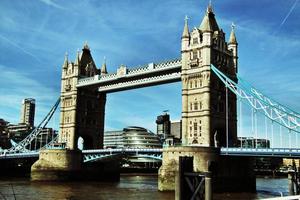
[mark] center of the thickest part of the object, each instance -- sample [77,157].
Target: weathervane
[232,26]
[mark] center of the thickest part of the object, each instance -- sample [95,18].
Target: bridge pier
[57,164]
[66,164]
[228,173]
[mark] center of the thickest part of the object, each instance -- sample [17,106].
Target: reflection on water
[130,187]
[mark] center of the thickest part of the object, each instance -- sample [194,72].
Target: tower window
[196,85]
[195,54]
[196,106]
[200,128]
[191,106]
[200,105]
[191,84]
[195,40]
[195,128]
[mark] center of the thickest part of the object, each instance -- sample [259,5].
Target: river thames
[133,187]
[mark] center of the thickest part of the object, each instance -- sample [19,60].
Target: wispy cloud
[17,86]
[287,16]
[19,48]
[51,3]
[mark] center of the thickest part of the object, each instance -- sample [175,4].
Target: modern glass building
[134,137]
[131,137]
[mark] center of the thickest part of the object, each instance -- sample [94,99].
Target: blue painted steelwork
[30,154]
[276,113]
[21,146]
[258,152]
[99,154]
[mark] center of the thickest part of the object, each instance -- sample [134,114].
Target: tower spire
[77,60]
[186,32]
[66,62]
[209,22]
[232,38]
[209,7]
[86,46]
[103,68]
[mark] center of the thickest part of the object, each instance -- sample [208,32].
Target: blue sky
[35,34]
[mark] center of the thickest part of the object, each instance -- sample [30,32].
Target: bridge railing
[152,67]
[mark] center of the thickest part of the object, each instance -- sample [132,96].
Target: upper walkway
[131,78]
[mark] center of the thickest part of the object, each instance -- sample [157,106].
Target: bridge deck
[244,152]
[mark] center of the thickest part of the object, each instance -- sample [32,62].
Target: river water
[133,187]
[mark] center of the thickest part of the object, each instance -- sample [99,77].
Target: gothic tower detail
[82,109]
[203,95]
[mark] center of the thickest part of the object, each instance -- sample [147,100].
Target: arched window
[196,106]
[195,128]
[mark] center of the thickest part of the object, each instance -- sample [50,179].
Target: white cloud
[17,86]
[51,3]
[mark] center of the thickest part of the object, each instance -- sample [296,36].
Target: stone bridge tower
[81,115]
[204,118]
[82,109]
[203,95]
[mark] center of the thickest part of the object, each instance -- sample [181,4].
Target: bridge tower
[209,112]
[81,115]
[82,109]
[204,120]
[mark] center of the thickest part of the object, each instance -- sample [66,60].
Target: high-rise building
[27,112]
[163,125]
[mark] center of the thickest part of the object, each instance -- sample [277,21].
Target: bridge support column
[227,173]
[57,164]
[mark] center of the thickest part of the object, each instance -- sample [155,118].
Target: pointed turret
[233,46]
[77,59]
[86,46]
[232,38]
[185,39]
[209,22]
[186,33]
[103,68]
[66,62]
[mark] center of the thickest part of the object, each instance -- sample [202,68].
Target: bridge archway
[85,142]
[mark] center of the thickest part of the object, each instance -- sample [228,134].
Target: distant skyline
[35,34]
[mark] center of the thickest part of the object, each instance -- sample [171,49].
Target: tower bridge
[211,87]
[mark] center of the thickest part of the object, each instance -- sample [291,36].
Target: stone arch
[87,142]
[220,136]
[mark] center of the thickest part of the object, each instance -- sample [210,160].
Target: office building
[27,112]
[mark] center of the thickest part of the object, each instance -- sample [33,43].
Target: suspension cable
[264,106]
[241,123]
[252,126]
[226,115]
[33,135]
[255,127]
[266,132]
[280,135]
[272,132]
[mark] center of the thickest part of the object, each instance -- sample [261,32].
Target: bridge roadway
[97,154]
[131,78]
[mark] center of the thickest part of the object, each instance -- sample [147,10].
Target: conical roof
[209,22]
[232,38]
[66,62]
[103,68]
[186,32]
[77,59]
